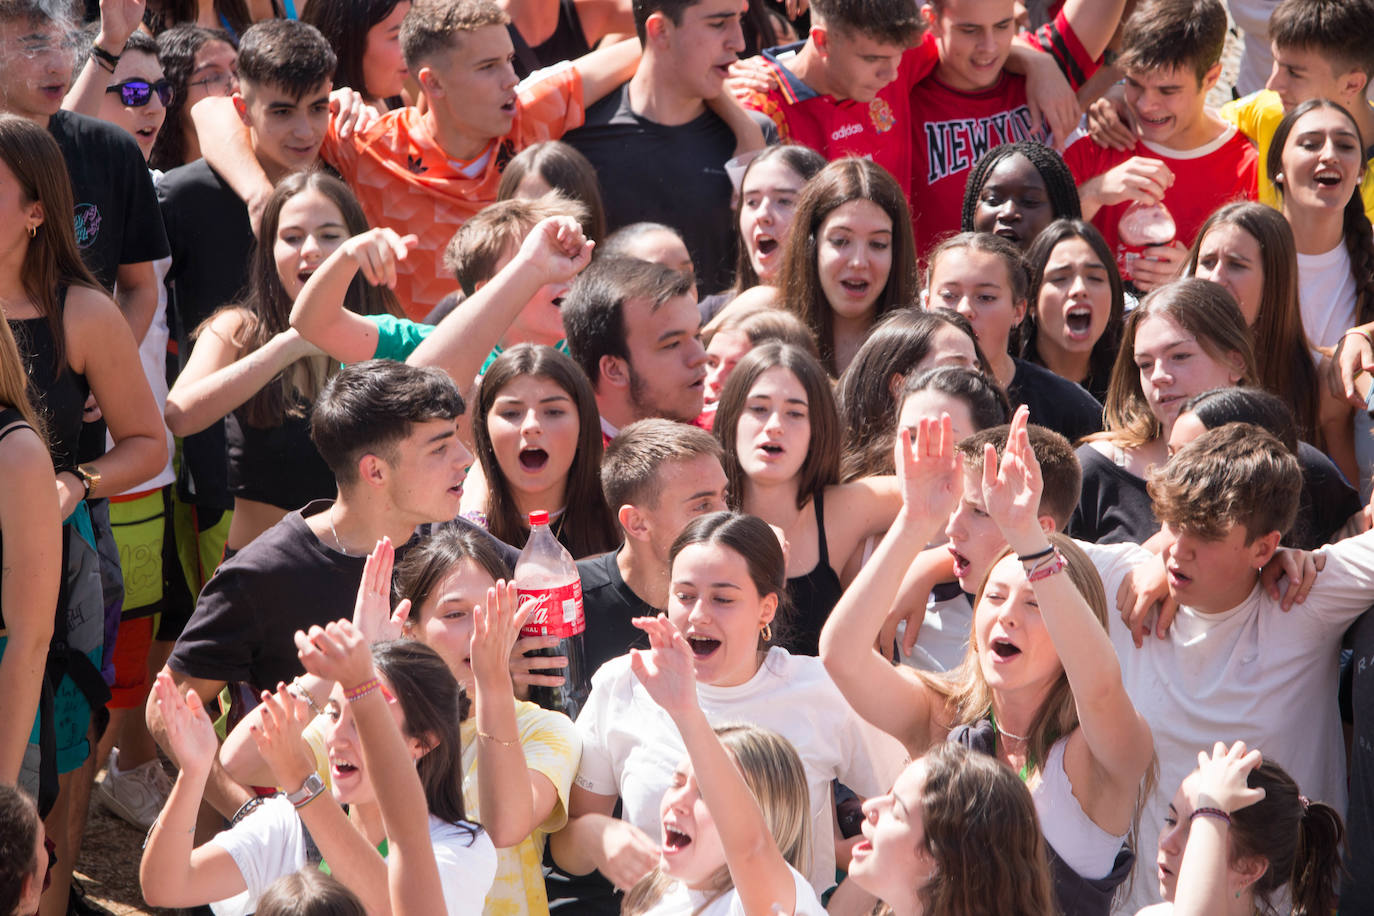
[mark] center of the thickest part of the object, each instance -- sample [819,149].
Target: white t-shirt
[679,900]
[1252,16]
[1254,674]
[1326,293]
[270,843]
[631,748]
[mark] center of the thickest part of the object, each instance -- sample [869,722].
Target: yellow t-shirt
[552,747]
[1257,115]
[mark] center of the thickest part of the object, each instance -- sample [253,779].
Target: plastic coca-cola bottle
[1141,226]
[546,571]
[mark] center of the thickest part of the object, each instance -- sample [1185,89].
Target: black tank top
[813,597]
[277,465]
[567,42]
[57,392]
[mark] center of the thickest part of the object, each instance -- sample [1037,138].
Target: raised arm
[1221,785]
[1117,736]
[228,149]
[118,20]
[555,251]
[890,698]
[760,874]
[340,653]
[514,799]
[29,582]
[217,380]
[172,872]
[318,313]
[1094,22]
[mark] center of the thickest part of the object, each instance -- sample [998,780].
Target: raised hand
[372,613]
[495,630]
[278,737]
[376,253]
[1011,492]
[1221,781]
[190,734]
[666,668]
[337,652]
[930,470]
[557,248]
[118,20]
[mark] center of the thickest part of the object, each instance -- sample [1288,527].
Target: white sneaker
[135,795]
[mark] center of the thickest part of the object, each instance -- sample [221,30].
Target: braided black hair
[1059,183]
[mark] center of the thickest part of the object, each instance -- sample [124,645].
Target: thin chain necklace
[337,540]
[1006,734]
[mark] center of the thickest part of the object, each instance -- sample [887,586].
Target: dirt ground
[109,861]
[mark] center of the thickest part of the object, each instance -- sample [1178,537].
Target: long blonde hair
[774,773]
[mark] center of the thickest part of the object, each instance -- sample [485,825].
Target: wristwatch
[90,477]
[312,787]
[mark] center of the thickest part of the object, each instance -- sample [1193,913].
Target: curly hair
[1059,183]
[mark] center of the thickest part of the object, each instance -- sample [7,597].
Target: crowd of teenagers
[960,431]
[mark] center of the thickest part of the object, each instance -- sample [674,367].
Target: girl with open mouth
[1239,838]
[1038,650]
[538,439]
[735,819]
[727,601]
[1077,305]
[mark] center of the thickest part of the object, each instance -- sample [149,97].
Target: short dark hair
[368,407]
[429,562]
[1162,34]
[1237,474]
[594,310]
[286,54]
[1059,468]
[432,26]
[18,837]
[629,473]
[1342,31]
[987,404]
[643,9]
[894,22]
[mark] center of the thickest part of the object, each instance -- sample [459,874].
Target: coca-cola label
[559,612]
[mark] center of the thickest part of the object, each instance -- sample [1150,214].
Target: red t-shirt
[404,180]
[953,129]
[1204,178]
[836,128]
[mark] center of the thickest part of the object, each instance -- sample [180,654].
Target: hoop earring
[33,232]
[766,633]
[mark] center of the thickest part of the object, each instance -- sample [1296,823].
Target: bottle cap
[539,517]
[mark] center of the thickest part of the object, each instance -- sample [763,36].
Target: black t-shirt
[1114,507]
[610,605]
[285,580]
[1055,402]
[116,213]
[1357,890]
[672,175]
[212,243]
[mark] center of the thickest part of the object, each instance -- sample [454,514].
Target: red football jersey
[953,129]
[1204,178]
[835,128]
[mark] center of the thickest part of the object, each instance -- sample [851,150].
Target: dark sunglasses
[139,92]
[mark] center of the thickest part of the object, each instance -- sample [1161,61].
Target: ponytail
[1299,839]
[1359,244]
[1318,861]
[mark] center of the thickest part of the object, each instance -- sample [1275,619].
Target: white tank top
[1085,847]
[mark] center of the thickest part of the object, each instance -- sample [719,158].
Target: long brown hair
[267,307]
[14,382]
[51,258]
[802,161]
[1203,309]
[840,182]
[1357,233]
[1281,347]
[821,467]
[984,836]
[589,527]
